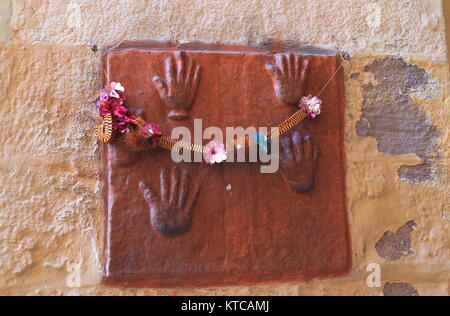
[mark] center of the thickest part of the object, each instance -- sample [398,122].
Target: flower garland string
[117,120]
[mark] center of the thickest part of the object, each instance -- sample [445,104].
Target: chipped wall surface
[397,134]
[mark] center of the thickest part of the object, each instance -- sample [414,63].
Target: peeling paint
[400,289]
[390,115]
[397,245]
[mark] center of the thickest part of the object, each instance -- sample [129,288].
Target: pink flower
[122,96]
[215,153]
[122,127]
[112,98]
[129,118]
[132,117]
[120,112]
[151,130]
[104,108]
[104,96]
[312,105]
[114,94]
[115,90]
[124,115]
[115,103]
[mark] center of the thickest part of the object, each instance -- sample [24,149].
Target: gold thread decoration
[104,131]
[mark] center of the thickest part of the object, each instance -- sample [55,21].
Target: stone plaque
[189,224]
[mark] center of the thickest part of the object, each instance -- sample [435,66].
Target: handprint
[289,75]
[179,87]
[299,158]
[171,211]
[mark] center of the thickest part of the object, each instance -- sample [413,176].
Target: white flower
[117,86]
[312,105]
[114,94]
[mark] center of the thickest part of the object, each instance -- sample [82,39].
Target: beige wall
[50,205]
[446,7]
[5,13]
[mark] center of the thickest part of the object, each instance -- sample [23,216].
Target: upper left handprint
[179,87]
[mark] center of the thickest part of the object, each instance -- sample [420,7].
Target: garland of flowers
[118,123]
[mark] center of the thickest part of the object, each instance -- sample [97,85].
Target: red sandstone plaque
[227,224]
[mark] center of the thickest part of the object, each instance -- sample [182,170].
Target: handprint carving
[179,87]
[299,158]
[289,74]
[171,211]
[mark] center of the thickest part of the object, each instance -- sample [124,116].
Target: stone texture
[51,218]
[49,162]
[5,14]
[409,27]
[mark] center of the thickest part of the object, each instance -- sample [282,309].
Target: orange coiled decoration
[104,131]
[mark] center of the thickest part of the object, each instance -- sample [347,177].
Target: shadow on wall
[446,6]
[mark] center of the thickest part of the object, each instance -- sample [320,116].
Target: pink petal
[114,94]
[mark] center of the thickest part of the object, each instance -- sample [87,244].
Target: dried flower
[122,96]
[104,108]
[312,105]
[151,130]
[120,112]
[104,96]
[114,94]
[111,102]
[215,153]
[115,90]
[117,86]
[122,127]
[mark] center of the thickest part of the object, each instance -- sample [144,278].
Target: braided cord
[290,123]
[105,133]
[171,144]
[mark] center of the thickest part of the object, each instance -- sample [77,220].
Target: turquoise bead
[262,140]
